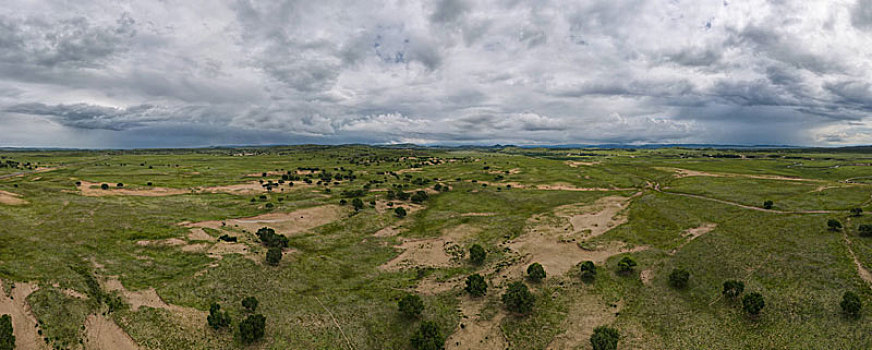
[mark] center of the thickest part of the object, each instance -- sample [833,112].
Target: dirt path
[102,333]
[752,207]
[680,173]
[864,274]
[23,321]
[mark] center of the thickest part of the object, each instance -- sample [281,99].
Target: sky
[190,73]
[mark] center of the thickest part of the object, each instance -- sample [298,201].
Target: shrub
[834,224]
[104,186]
[428,337]
[753,303]
[477,254]
[518,298]
[252,328]
[357,204]
[476,285]
[626,265]
[733,288]
[851,304]
[588,270]
[419,197]
[856,211]
[250,304]
[7,339]
[604,338]
[767,204]
[217,319]
[678,278]
[227,238]
[274,256]
[536,272]
[400,212]
[270,239]
[411,305]
[865,230]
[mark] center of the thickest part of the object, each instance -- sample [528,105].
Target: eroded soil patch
[9,198]
[23,321]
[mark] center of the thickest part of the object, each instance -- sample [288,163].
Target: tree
[865,230]
[733,288]
[252,328]
[588,270]
[250,304]
[536,272]
[753,303]
[104,186]
[428,337]
[357,204]
[834,225]
[678,278]
[411,305]
[419,197]
[477,254]
[217,319]
[270,239]
[274,256]
[7,339]
[856,211]
[400,212]
[851,304]
[476,285]
[604,338]
[767,204]
[626,265]
[518,298]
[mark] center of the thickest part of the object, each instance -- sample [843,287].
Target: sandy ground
[576,164]
[197,234]
[581,318]
[102,333]
[432,252]
[595,219]
[693,233]
[10,198]
[93,189]
[150,298]
[23,322]
[284,223]
[680,173]
[268,173]
[477,332]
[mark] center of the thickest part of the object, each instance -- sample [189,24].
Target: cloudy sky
[158,73]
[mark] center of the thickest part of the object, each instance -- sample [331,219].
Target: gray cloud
[195,73]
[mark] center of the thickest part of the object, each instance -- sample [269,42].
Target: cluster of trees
[477,254]
[251,328]
[428,336]
[7,339]
[518,298]
[274,243]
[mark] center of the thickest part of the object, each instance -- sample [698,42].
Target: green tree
[588,270]
[753,303]
[604,338]
[536,272]
[856,211]
[476,285]
[357,204]
[678,278]
[477,254]
[865,230]
[733,288]
[419,197]
[518,298]
[767,204]
[411,305]
[428,337]
[626,265]
[851,304]
[273,256]
[834,225]
[400,212]
[250,304]
[104,186]
[251,329]
[270,239]
[7,339]
[217,319]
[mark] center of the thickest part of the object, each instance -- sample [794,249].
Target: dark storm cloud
[192,73]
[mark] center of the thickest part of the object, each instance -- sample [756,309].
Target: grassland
[338,283]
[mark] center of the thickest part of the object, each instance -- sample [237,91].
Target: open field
[137,263]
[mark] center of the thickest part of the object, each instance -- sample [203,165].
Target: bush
[477,254]
[834,225]
[274,256]
[411,305]
[428,337]
[865,230]
[733,288]
[104,186]
[856,211]
[7,339]
[252,328]
[753,303]
[270,239]
[767,204]
[250,304]
[476,285]
[400,212]
[227,238]
[357,204]
[626,265]
[217,319]
[604,338]
[518,298]
[678,278]
[851,304]
[536,272]
[419,197]
[588,270]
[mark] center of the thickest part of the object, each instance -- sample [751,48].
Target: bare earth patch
[477,332]
[92,189]
[576,164]
[23,322]
[284,223]
[680,173]
[198,234]
[10,198]
[150,298]
[102,333]
[432,252]
[592,220]
[582,317]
